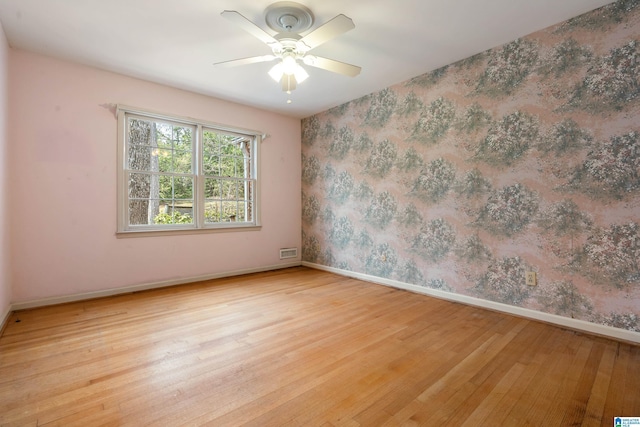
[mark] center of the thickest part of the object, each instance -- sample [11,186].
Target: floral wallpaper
[522,158]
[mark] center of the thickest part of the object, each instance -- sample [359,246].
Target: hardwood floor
[304,347]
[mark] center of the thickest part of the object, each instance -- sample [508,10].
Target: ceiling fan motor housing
[288,17]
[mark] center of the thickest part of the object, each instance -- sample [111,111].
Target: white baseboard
[142,287]
[565,322]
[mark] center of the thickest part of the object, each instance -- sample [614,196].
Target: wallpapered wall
[522,158]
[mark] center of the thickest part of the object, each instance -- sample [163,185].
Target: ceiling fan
[288,20]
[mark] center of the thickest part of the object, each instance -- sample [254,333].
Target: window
[176,174]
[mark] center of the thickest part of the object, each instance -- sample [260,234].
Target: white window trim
[199,226]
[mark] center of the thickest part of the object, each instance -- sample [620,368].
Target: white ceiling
[175,42]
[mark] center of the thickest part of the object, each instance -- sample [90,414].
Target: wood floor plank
[486,380]
[484,410]
[443,359]
[570,382]
[303,347]
[595,406]
[632,387]
[538,397]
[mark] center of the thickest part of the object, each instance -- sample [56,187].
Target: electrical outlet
[532,280]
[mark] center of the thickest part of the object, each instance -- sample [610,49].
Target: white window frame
[124,229]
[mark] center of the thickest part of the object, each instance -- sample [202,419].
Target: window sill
[176,232]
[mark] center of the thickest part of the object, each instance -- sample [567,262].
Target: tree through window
[179,175]
[227,178]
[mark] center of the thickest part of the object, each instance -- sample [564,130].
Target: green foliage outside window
[162,159]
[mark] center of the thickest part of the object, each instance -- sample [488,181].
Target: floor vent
[288,253]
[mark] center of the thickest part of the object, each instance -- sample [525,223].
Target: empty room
[391,213]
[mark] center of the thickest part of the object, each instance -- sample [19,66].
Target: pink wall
[63,193]
[5,285]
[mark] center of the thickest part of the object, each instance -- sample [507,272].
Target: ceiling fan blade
[248,26]
[245,61]
[333,28]
[332,65]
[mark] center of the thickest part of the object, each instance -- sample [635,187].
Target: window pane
[211,142]
[163,133]
[182,161]
[211,164]
[212,212]
[231,147]
[240,168]
[155,208]
[183,214]
[138,212]
[164,159]
[182,138]
[174,214]
[166,187]
[208,147]
[231,150]
[229,212]
[139,157]
[211,188]
[241,187]
[183,187]
[139,185]
[228,189]
[226,167]
[140,132]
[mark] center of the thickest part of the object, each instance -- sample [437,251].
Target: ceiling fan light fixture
[300,74]
[276,72]
[289,65]
[288,68]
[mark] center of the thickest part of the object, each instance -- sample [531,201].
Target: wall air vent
[288,253]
